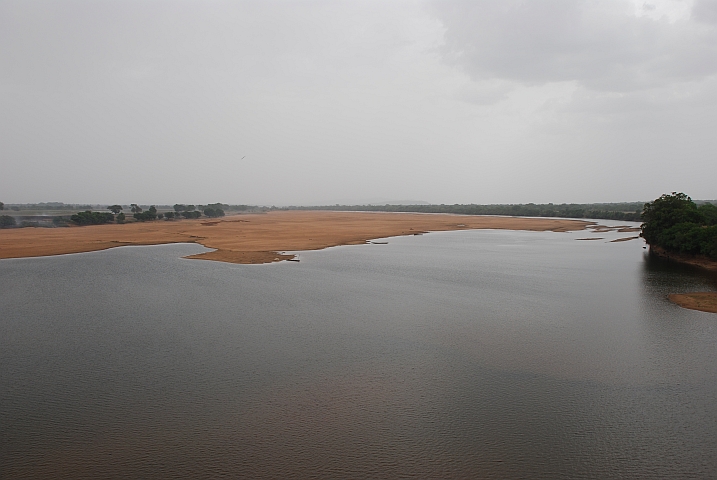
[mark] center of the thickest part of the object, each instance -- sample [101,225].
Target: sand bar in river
[258,238]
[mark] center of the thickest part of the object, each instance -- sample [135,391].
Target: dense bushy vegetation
[144,216]
[675,223]
[6,221]
[213,212]
[89,217]
[608,211]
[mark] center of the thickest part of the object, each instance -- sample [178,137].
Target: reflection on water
[482,354]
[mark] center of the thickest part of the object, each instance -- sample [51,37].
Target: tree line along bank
[46,215]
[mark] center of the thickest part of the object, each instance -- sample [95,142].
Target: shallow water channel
[473,354]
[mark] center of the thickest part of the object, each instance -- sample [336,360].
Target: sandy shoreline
[702,301]
[251,239]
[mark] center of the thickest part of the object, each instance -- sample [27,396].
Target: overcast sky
[298,102]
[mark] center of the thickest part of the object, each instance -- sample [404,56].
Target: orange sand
[258,238]
[702,301]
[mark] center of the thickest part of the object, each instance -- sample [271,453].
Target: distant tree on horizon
[115,209]
[89,217]
[150,214]
[2,206]
[213,212]
[192,214]
[135,208]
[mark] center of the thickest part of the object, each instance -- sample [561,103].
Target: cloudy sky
[315,102]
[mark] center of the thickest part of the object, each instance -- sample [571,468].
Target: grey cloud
[600,44]
[705,11]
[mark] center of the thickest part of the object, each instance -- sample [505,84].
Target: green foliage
[193,214]
[149,215]
[609,211]
[674,222]
[169,215]
[89,217]
[135,208]
[213,212]
[178,207]
[709,213]
[7,221]
[120,218]
[115,209]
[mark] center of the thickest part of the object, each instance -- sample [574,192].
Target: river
[472,354]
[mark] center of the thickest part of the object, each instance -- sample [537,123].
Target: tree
[150,214]
[120,218]
[7,221]
[673,222]
[193,214]
[115,209]
[89,217]
[213,212]
[709,213]
[665,212]
[135,208]
[2,206]
[178,207]
[169,215]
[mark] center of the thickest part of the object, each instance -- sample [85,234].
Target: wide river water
[473,354]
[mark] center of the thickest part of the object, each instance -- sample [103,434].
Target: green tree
[115,209]
[178,207]
[709,213]
[7,221]
[675,223]
[665,212]
[150,214]
[89,217]
[120,218]
[213,212]
[169,215]
[135,208]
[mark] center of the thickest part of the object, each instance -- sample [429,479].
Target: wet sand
[702,301]
[260,238]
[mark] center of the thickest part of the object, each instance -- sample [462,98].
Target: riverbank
[260,238]
[702,301]
[694,260]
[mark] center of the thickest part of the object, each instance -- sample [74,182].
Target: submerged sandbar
[258,238]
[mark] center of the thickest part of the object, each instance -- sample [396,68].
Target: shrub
[6,221]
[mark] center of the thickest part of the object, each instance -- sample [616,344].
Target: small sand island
[260,238]
[702,301]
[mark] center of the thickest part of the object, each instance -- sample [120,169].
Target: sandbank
[259,238]
[702,301]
